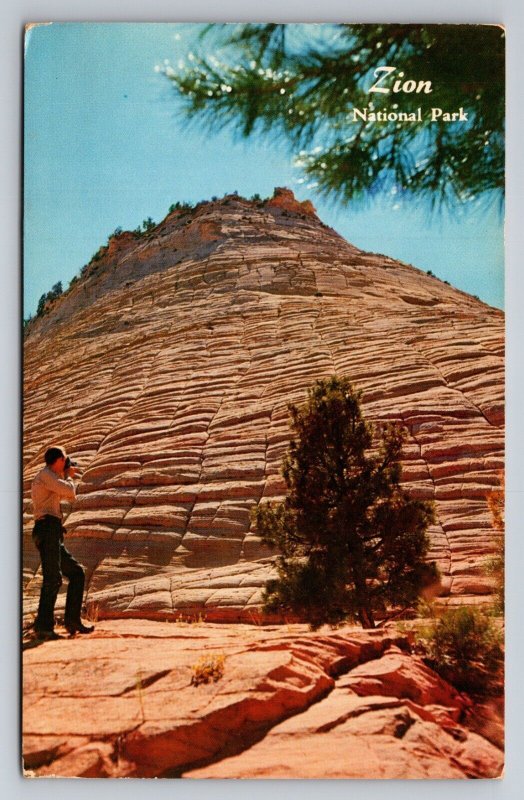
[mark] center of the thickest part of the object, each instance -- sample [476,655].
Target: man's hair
[52,454]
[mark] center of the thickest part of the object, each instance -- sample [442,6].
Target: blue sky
[106,146]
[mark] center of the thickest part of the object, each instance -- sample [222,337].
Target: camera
[69,463]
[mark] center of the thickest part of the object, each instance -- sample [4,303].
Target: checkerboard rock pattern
[167,368]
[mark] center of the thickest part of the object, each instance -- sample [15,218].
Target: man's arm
[64,488]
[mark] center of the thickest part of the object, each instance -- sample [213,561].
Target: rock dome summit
[176,354]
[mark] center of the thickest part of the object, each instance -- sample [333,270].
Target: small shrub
[41,305]
[148,225]
[178,206]
[99,254]
[430,273]
[208,668]
[464,646]
[49,297]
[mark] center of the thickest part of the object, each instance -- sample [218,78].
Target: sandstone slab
[287,702]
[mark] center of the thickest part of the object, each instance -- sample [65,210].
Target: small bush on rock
[49,297]
[464,646]
[208,668]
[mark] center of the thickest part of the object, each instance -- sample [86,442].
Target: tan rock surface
[167,369]
[290,703]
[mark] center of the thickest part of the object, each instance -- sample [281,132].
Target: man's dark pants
[56,561]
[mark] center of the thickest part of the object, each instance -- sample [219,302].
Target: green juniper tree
[352,542]
[303,81]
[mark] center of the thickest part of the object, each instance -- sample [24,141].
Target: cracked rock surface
[175,357]
[288,703]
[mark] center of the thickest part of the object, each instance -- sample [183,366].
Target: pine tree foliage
[465,646]
[302,82]
[352,542]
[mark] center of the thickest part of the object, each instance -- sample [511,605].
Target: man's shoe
[79,627]
[46,635]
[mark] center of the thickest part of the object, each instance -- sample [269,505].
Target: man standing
[50,486]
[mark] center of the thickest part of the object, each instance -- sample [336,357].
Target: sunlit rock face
[167,370]
[278,701]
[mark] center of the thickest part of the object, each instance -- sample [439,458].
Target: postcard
[263,435]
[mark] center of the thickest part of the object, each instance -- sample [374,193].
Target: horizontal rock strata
[124,702]
[167,371]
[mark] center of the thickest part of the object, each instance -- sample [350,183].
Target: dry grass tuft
[208,668]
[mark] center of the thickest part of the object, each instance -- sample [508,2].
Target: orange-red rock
[121,703]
